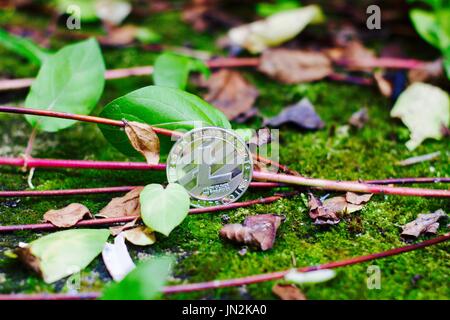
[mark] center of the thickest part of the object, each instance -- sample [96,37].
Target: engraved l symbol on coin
[213,164]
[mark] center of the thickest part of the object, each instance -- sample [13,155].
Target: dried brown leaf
[425,223]
[354,55]
[140,236]
[67,216]
[29,259]
[288,292]
[230,92]
[120,36]
[118,229]
[358,199]
[128,205]
[259,230]
[295,66]
[144,140]
[359,118]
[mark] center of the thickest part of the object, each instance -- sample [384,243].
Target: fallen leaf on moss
[120,36]
[230,92]
[117,259]
[359,118]
[354,55]
[301,114]
[118,229]
[140,236]
[144,140]
[330,210]
[295,66]
[128,205]
[258,230]
[63,253]
[275,29]
[310,277]
[425,110]
[425,223]
[288,292]
[67,216]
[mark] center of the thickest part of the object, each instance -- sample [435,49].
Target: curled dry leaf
[117,259]
[274,30]
[353,55]
[118,229]
[144,140]
[259,230]
[140,236]
[230,92]
[301,114]
[128,205]
[120,36]
[295,66]
[330,210]
[288,292]
[359,118]
[67,216]
[425,223]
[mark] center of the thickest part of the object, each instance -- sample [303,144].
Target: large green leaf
[71,80]
[164,209]
[63,253]
[145,282]
[171,70]
[24,47]
[160,106]
[426,25]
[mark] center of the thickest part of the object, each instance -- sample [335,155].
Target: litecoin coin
[213,164]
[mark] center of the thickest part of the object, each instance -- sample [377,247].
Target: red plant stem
[406,180]
[79,117]
[87,191]
[209,285]
[348,185]
[257,175]
[386,62]
[112,221]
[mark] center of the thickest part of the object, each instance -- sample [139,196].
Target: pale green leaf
[274,30]
[63,253]
[424,109]
[172,70]
[85,8]
[164,209]
[71,80]
[24,47]
[162,107]
[145,282]
[426,25]
[309,277]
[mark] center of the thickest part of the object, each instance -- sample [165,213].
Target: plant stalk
[209,285]
[113,221]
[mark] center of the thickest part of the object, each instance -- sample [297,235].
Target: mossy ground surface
[201,255]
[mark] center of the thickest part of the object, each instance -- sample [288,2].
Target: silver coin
[213,164]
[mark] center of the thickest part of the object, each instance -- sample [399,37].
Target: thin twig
[240,281]
[113,221]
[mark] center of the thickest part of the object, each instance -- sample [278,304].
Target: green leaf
[266,9]
[164,209]
[24,47]
[148,36]
[86,8]
[63,253]
[310,277]
[145,282]
[424,109]
[173,70]
[426,26]
[160,106]
[71,80]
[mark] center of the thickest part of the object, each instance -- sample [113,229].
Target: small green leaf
[310,277]
[164,209]
[63,253]
[426,25]
[24,47]
[266,9]
[172,70]
[71,80]
[145,282]
[425,110]
[162,107]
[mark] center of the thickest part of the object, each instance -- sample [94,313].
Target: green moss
[201,254]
